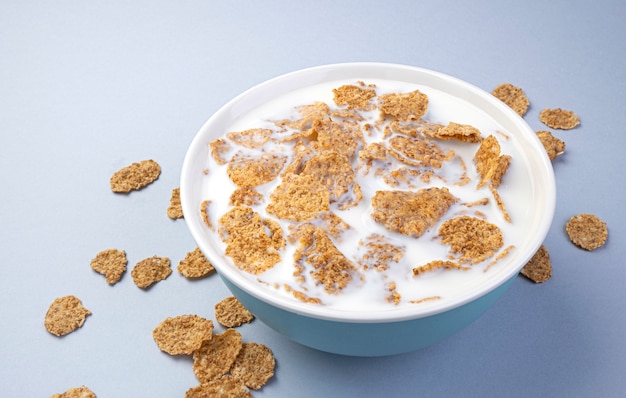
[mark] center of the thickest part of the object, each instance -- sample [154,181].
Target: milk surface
[368,291]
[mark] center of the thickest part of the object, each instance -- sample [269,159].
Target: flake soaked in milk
[369,287]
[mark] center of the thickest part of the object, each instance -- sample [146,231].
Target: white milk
[367,290]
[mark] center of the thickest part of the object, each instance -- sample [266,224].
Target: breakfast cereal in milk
[365,195]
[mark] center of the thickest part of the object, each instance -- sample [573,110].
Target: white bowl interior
[537,214]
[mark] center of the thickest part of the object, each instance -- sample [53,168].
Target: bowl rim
[343,71]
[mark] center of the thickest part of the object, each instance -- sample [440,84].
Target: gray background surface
[87,87]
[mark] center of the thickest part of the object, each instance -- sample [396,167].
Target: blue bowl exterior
[368,339]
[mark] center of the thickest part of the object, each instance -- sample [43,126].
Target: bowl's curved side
[368,339]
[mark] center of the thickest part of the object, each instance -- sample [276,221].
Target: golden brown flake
[219,150]
[151,270]
[252,138]
[409,129]
[394,296]
[406,176]
[245,196]
[479,202]
[456,131]
[341,136]
[379,253]
[330,267]
[248,243]
[246,171]
[416,128]
[65,315]
[215,356]
[136,176]
[231,313]
[298,198]
[411,213]
[554,146]
[490,164]
[499,257]
[175,209]
[418,152]
[539,268]
[351,114]
[195,265]
[587,231]
[355,96]
[334,225]
[425,299]
[404,107]
[224,387]
[302,296]
[559,118]
[334,173]
[308,115]
[204,212]
[513,96]
[254,365]
[183,334]
[472,239]
[111,263]
[300,154]
[436,264]
[373,151]
[370,153]
[78,392]
[500,203]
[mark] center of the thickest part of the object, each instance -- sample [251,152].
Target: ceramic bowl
[377,332]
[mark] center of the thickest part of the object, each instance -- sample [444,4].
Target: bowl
[396,329]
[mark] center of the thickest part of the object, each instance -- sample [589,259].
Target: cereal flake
[379,253]
[111,263]
[298,198]
[254,365]
[355,96]
[245,196]
[204,212]
[65,315]
[513,96]
[490,164]
[456,131]
[404,107]
[151,270]
[335,174]
[215,356]
[411,213]
[224,387]
[247,171]
[248,242]
[554,146]
[231,313]
[78,392]
[437,264]
[472,239]
[539,268]
[418,152]
[252,138]
[308,115]
[183,334]
[587,231]
[136,176]
[219,150]
[195,265]
[559,118]
[343,137]
[175,209]
[330,267]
